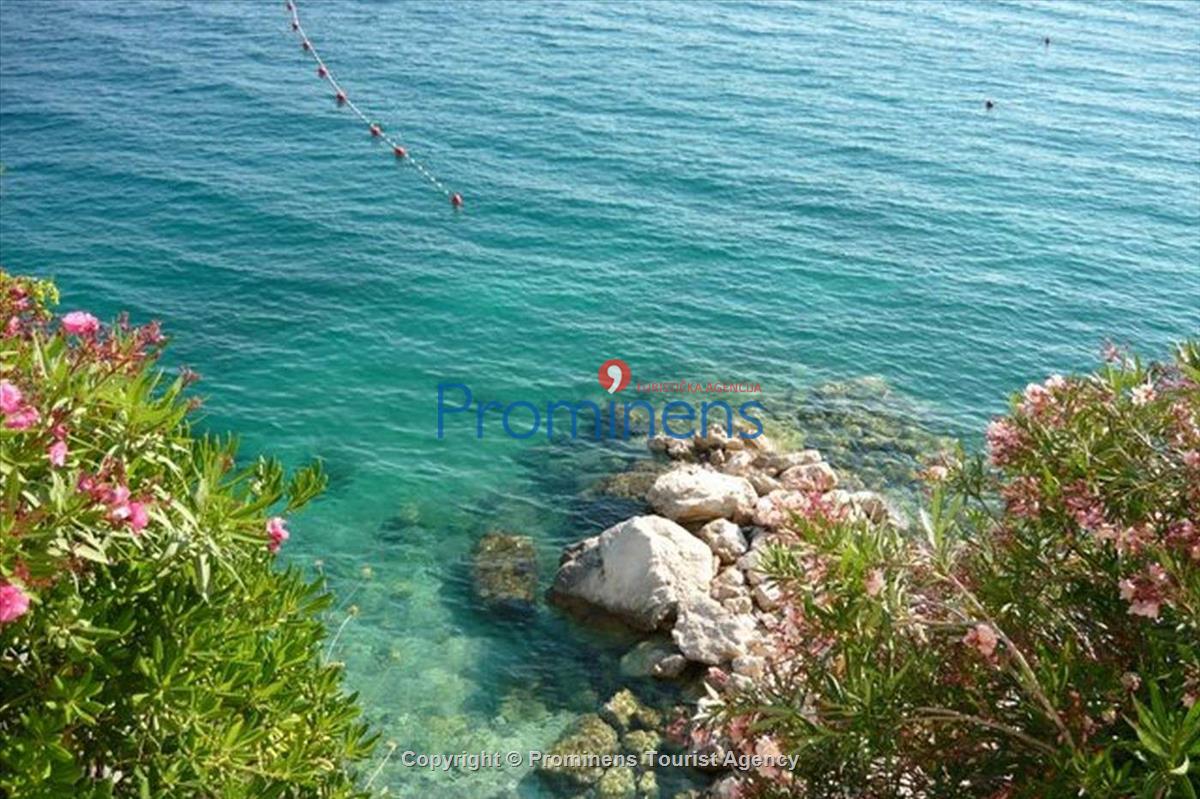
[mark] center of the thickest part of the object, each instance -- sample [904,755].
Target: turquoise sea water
[772,193]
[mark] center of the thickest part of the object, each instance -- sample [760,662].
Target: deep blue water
[775,193]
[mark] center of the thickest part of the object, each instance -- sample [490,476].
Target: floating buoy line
[374,128]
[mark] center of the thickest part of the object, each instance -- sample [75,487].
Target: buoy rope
[376,130]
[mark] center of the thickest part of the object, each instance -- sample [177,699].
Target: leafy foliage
[1038,636]
[148,646]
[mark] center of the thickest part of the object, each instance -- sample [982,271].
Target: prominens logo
[614,375]
[678,418]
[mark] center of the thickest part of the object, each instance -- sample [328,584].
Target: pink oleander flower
[117,495]
[22,418]
[1085,507]
[1037,399]
[1004,441]
[1143,394]
[937,473]
[13,328]
[1131,681]
[1023,497]
[1056,382]
[1146,593]
[276,533]
[875,582]
[139,517]
[10,397]
[57,453]
[14,603]
[983,638]
[80,323]
[1191,459]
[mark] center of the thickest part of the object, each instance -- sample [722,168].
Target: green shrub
[148,644]
[1039,633]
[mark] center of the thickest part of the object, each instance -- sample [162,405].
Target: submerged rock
[506,571]
[638,570]
[587,736]
[655,657]
[619,782]
[624,711]
[692,493]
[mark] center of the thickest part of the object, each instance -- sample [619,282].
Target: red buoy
[341,97]
[306,45]
[322,72]
[400,151]
[376,131]
[456,200]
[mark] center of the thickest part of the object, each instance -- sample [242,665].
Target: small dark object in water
[1046,41]
[989,105]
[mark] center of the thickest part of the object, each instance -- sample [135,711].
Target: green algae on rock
[506,571]
[588,737]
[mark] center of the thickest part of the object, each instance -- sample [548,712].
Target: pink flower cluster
[276,533]
[122,508]
[983,638]
[1005,441]
[1085,506]
[1023,497]
[18,414]
[1147,592]
[777,508]
[14,602]
[80,323]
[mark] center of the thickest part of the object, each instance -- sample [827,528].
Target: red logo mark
[614,375]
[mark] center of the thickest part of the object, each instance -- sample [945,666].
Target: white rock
[739,464]
[809,477]
[761,443]
[738,604]
[692,493]
[787,460]
[706,632]
[872,505]
[763,483]
[752,666]
[728,584]
[767,595]
[639,570]
[725,539]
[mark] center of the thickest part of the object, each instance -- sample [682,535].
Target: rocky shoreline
[687,575]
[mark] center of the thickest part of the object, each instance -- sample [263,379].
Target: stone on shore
[706,632]
[639,571]
[725,539]
[691,493]
[506,571]
[809,477]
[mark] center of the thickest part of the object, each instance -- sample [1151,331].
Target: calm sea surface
[782,194]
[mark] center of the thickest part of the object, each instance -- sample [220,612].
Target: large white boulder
[707,632]
[639,570]
[692,493]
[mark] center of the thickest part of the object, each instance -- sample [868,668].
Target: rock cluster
[623,726]
[690,572]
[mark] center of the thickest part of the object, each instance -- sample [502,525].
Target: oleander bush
[149,645]
[1036,635]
